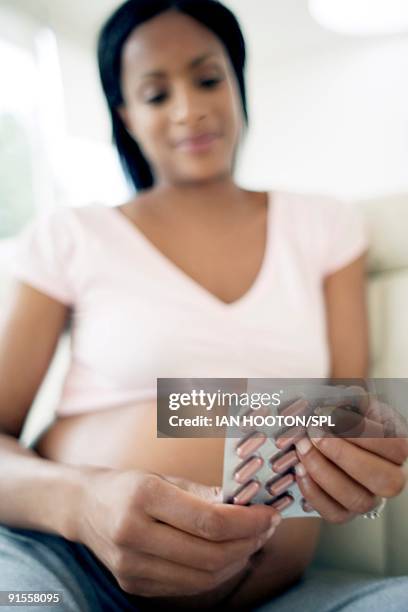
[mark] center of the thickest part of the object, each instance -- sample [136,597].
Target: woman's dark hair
[211,13]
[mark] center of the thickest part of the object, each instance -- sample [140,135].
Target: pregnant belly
[125,438]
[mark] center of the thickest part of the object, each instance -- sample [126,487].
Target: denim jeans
[37,561]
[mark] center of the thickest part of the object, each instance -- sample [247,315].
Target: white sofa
[380,546]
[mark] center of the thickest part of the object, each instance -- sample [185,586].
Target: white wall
[86,113]
[333,120]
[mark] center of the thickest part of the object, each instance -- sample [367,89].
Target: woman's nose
[187,106]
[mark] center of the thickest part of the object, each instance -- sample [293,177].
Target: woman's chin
[204,173]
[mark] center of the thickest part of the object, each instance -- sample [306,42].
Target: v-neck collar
[135,233]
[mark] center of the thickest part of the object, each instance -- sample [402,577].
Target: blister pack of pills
[260,453]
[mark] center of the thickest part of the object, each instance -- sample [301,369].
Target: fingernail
[300,470]
[270,532]
[303,446]
[306,506]
[276,520]
[316,434]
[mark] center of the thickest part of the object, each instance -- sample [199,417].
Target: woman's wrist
[71,519]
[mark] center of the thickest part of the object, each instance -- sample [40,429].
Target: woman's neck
[213,197]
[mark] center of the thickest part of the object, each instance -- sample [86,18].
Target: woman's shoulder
[62,230]
[332,229]
[83,221]
[317,212]
[65,215]
[309,203]
[84,213]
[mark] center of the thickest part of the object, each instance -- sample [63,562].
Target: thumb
[211,494]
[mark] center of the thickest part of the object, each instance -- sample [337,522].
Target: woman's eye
[162,96]
[209,83]
[158,99]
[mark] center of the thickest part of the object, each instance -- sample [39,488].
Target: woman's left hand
[342,477]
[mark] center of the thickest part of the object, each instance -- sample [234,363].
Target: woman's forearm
[36,493]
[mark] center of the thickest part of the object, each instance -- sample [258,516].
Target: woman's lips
[198,144]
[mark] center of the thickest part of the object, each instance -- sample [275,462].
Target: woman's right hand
[167,537]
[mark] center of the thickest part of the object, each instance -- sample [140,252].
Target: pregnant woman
[193,276]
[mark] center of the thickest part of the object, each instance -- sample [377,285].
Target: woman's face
[181,99]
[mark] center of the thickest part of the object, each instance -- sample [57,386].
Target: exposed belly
[125,438]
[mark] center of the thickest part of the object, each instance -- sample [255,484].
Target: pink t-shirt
[138,317]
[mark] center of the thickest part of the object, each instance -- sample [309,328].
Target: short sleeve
[42,255]
[345,235]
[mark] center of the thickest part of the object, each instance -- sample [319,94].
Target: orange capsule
[250,444]
[246,470]
[282,503]
[298,407]
[245,495]
[279,486]
[290,437]
[285,462]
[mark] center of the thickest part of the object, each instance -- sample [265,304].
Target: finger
[372,436]
[393,449]
[213,521]
[147,575]
[326,506]
[353,396]
[204,492]
[381,412]
[343,421]
[374,473]
[360,398]
[347,421]
[334,481]
[180,547]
